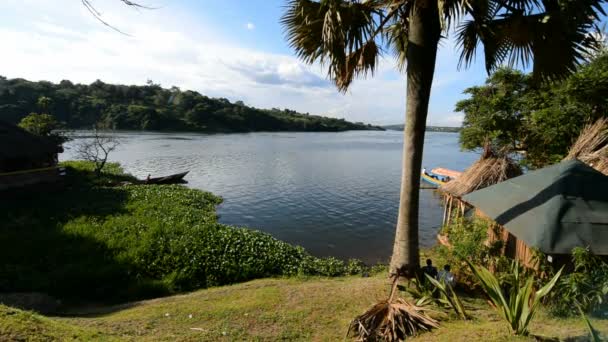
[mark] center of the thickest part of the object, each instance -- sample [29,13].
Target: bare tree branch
[97,149]
[97,15]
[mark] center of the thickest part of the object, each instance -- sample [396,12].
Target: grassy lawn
[317,309]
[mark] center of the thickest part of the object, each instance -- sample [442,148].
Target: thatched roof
[490,169]
[591,147]
[16,143]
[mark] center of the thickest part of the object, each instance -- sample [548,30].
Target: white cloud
[60,40]
[250,26]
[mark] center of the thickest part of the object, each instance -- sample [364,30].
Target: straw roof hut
[490,169]
[21,150]
[553,209]
[591,147]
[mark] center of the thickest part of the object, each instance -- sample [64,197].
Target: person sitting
[424,171]
[430,269]
[447,277]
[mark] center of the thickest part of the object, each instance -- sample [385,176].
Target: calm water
[332,193]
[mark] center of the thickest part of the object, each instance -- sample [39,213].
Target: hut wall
[513,248]
[13,180]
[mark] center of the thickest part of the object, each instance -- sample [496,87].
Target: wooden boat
[446,172]
[432,179]
[171,179]
[439,176]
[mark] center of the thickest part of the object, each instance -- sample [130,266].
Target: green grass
[306,309]
[96,241]
[18,325]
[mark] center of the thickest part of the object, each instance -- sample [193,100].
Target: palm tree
[349,36]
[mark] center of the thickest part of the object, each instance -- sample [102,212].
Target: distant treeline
[428,128]
[151,107]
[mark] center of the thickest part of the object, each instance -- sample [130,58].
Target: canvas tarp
[554,209]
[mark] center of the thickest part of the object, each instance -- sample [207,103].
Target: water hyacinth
[129,242]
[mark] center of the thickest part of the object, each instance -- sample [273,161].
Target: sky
[221,48]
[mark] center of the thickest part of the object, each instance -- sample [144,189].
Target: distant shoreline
[153,108]
[428,128]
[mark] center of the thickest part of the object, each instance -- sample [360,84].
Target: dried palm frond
[591,147]
[391,320]
[491,168]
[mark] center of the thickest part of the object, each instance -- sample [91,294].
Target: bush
[517,303]
[355,266]
[468,238]
[585,288]
[128,242]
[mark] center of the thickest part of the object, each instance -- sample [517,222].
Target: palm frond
[391,321]
[593,334]
[472,32]
[557,36]
[449,297]
[396,35]
[450,12]
[340,34]
[468,39]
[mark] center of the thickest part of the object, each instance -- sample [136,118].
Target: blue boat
[433,179]
[438,176]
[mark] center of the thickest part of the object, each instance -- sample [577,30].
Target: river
[336,194]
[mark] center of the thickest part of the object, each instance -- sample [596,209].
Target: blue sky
[221,48]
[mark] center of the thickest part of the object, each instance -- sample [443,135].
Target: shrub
[448,297]
[355,266]
[518,303]
[586,287]
[468,238]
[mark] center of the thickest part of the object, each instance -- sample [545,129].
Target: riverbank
[93,244]
[304,309]
[96,241]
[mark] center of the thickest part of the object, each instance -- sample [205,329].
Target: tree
[97,148]
[349,37]
[115,106]
[540,121]
[495,112]
[39,124]
[44,104]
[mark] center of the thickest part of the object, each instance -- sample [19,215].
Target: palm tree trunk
[424,33]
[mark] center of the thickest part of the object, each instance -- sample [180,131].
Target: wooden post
[445,209]
[450,211]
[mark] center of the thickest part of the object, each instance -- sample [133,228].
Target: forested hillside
[150,107]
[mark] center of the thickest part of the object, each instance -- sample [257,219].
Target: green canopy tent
[553,209]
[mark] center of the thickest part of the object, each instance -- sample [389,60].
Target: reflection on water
[332,193]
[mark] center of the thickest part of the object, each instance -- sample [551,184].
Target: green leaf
[595,336]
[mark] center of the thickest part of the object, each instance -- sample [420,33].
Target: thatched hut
[25,158]
[553,209]
[591,147]
[490,169]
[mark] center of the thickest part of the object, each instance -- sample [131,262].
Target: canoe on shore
[177,178]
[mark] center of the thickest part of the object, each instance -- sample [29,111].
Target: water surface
[336,194]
